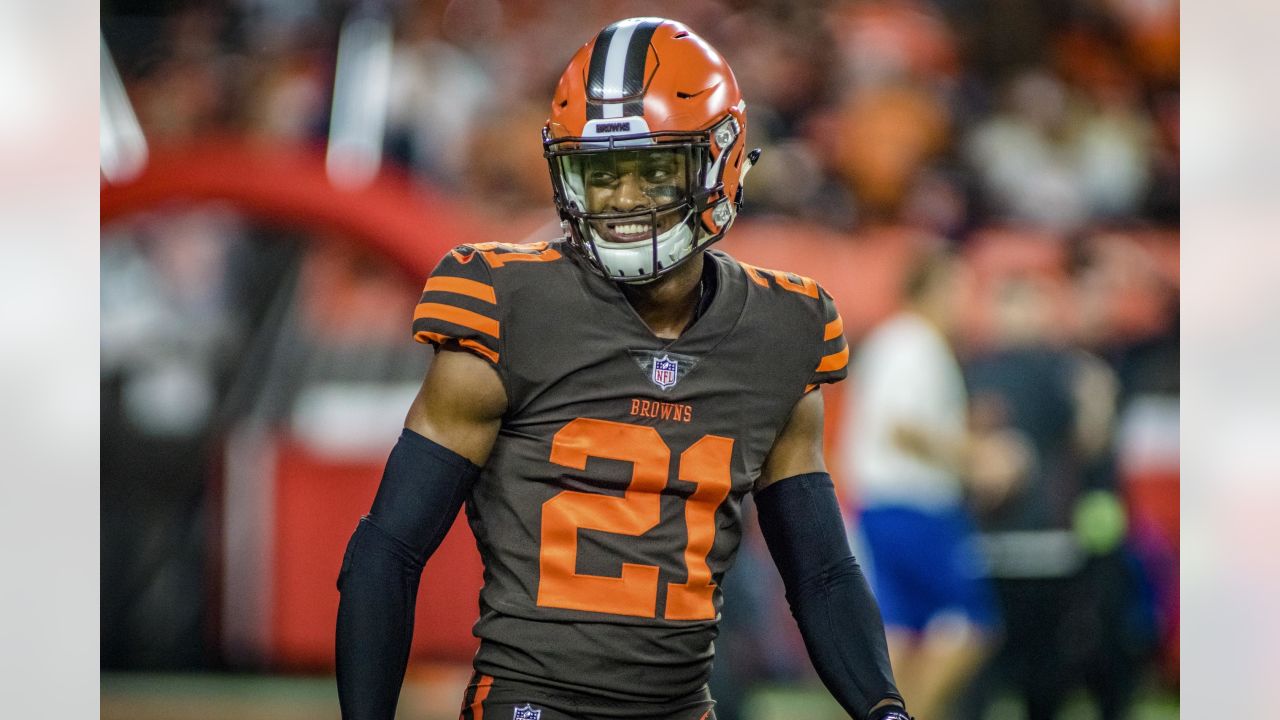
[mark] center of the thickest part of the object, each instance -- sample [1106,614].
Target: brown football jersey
[610,507]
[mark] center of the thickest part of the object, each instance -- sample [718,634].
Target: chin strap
[750,162]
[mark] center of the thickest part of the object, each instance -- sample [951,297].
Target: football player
[602,404]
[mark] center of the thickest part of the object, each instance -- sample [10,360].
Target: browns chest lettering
[678,412]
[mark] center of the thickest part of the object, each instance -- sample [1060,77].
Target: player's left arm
[828,595]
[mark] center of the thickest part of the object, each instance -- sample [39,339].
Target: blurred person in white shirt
[911,455]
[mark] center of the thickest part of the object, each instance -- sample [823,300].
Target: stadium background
[258,274]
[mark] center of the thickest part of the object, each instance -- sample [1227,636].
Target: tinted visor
[611,182]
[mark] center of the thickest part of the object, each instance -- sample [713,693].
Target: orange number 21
[635,591]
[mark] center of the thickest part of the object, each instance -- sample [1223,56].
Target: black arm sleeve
[422,488]
[828,595]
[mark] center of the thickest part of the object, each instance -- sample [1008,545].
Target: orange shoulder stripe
[833,329]
[806,286]
[480,348]
[457,316]
[426,336]
[834,361]
[753,272]
[461,286]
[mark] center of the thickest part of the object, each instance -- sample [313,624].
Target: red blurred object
[318,502]
[409,224]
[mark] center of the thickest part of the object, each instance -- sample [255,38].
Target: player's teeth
[630,229]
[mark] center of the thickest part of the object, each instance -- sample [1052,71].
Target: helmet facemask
[632,203]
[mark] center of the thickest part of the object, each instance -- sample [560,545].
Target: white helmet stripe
[615,66]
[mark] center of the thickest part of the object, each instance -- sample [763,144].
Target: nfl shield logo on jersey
[665,371]
[527,713]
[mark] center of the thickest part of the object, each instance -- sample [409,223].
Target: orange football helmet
[646,147]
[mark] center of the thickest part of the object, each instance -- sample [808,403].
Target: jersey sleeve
[459,308]
[833,363]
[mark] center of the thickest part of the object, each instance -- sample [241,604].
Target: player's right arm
[460,405]
[448,435]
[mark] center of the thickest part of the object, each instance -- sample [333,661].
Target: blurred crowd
[947,115]
[1037,140]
